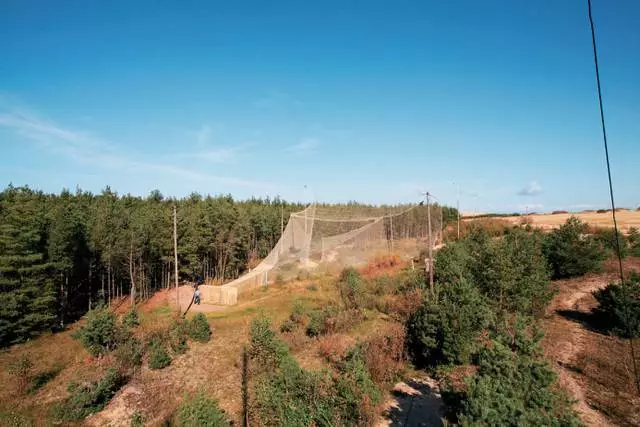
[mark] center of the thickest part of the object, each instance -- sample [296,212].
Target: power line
[613,205]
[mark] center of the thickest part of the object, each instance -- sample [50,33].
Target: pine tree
[26,287]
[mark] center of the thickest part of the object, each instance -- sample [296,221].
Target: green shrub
[201,411]
[41,379]
[448,331]
[178,334]
[131,319]
[199,329]
[137,419]
[265,347]
[570,252]
[513,273]
[319,321]
[288,325]
[514,382]
[89,398]
[619,309]
[351,288]
[452,262]
[158,356]
[607,240]
[129,353]
[100,333]
[634,242]
[286,394]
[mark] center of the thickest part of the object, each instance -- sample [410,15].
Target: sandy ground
[625,219]
[564,348]
[414,403]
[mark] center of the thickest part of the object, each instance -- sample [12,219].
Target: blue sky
[368,100]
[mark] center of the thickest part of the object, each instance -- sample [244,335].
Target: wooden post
[175,253]
[430,248]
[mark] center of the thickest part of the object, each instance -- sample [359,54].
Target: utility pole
[175,253]
[430,248]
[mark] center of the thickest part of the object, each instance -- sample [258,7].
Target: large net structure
[327,238]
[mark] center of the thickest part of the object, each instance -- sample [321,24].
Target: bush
[41,379]
[131,319]
[333,348]
[137,420]
[634,242]
[619,308]
[569,252]
[288,325]
[607,239]
[384,353]
[199,329]
[319,323]
[177,337]
[21,369]
[199,410]
[158,356]
[88,399]
[350,285]
[286,394]
[129,353]
[513,273]
[448,331]
[264,345]
[100,334]
[514,382]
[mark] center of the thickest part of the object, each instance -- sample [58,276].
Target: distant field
[626,219]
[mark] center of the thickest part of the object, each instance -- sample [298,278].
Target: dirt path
[565,340]
[415,403]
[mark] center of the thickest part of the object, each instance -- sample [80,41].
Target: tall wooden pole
[430,248]
[175,253]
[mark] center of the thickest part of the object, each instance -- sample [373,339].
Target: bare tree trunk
[133,283]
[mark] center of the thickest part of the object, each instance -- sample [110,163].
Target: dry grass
[594,368]
[214,367]
[626,219]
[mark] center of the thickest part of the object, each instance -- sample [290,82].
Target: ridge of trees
[62,254]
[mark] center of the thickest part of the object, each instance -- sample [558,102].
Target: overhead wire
[613,205]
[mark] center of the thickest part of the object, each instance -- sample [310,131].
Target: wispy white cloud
[305,146]
[87,149]
[533,189]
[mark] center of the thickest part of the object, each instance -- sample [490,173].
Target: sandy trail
[564,347]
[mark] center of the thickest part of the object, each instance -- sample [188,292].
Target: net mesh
[327,238]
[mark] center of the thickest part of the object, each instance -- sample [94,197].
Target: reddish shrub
[334,347]
[384,353]
[382,264]
[402,306]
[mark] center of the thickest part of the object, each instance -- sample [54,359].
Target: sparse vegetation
[200,411]
[22,369]
[86,399]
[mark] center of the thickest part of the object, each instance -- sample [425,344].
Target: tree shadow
[592,321]
[416,404]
